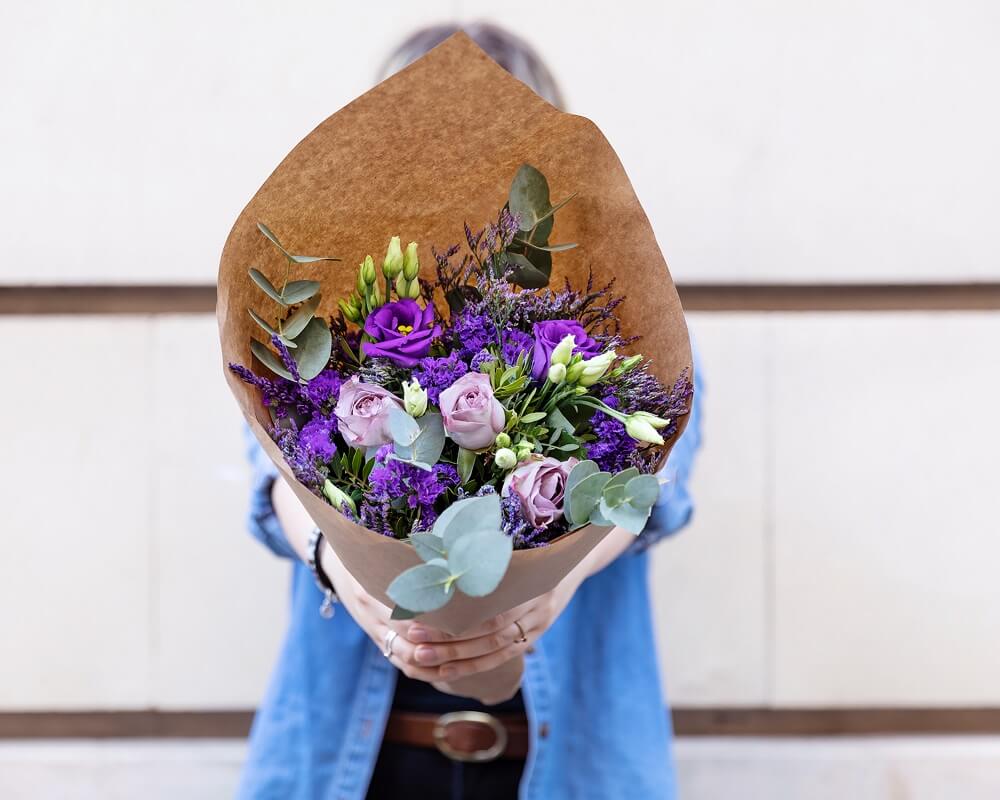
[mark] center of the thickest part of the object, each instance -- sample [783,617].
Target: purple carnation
[437,374]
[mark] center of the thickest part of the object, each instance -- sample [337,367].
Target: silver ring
[520,630]
[390,637]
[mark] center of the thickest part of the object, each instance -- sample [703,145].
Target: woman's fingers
[419,633]
[473,666]
[442,652]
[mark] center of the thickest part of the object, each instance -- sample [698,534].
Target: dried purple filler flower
[392,481]
[437,374]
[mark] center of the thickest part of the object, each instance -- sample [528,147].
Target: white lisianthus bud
[368,271]
[502,440]
[631,363]
[505,458]
[642,426]
[414,398]
[393,263]
[338,498]
[562,352]
[557,373]
[596,368]
[574,370]
[411,264]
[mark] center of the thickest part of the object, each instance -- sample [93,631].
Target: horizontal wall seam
[153,723]
[756,297]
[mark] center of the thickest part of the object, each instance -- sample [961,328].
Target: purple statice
[316,437]
[279,394]
[516,343]
[614,449]
[395,486]
[473,331]
[324,389]
[480,358]
[437,374]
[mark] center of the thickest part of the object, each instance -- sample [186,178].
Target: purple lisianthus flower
[549,333]
[403,332]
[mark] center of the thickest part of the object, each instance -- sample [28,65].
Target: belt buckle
[491,753]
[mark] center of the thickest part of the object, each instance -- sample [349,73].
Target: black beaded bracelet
[323,581]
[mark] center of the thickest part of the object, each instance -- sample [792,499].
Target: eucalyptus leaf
[547,216]
[643,491]
[558,421]
[269,359]
[480,560]
[262,322]
[313,351]
[425,587]
[402,427]
[625,516]
[548,248]
[400,613]
[297,259]
[527,275]
[529,196]
[297,322]
[298,291]
[312,259]
[463,516]
[613,495]
[584,496]
[261,280]
[428,546]
[623,477]
[466,463]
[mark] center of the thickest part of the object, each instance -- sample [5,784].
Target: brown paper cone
[430,148]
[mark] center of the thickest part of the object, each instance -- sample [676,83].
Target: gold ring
[520,630]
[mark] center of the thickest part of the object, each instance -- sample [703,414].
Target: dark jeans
[422,773]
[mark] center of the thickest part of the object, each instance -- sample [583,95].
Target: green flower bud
[642,426]
[412,289]
[411,264]
[505,458]
[393,263]
[350,310]
[368,271]
[557,373]
[596,368]
[502,440]
[402,285]
[360,285]
[338,498]
[631,363]
[574,371]
[523,449]
[562,352]
[414,398]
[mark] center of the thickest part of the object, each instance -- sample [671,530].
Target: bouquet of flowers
[462,431]
[506,422]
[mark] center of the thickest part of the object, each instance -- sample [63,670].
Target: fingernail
[417,634]
[448,672]
[425,655]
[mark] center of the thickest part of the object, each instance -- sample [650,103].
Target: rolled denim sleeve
[262,522]
[675,506]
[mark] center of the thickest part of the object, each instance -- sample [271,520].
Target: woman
[355,708]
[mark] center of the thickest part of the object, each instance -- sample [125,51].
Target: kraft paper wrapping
[428,149]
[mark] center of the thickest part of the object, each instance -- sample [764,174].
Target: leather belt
[470,736]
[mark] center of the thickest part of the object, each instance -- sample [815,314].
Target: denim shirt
[598,721]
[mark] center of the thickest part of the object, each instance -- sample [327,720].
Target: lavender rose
[403,332]
[472,415]
[363,412]
[549,333]
[539,484]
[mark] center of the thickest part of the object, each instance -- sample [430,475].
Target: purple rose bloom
[540,484]
[549,333]
[402,331]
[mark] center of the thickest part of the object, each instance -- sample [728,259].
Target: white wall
[844,547]
[769,139]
